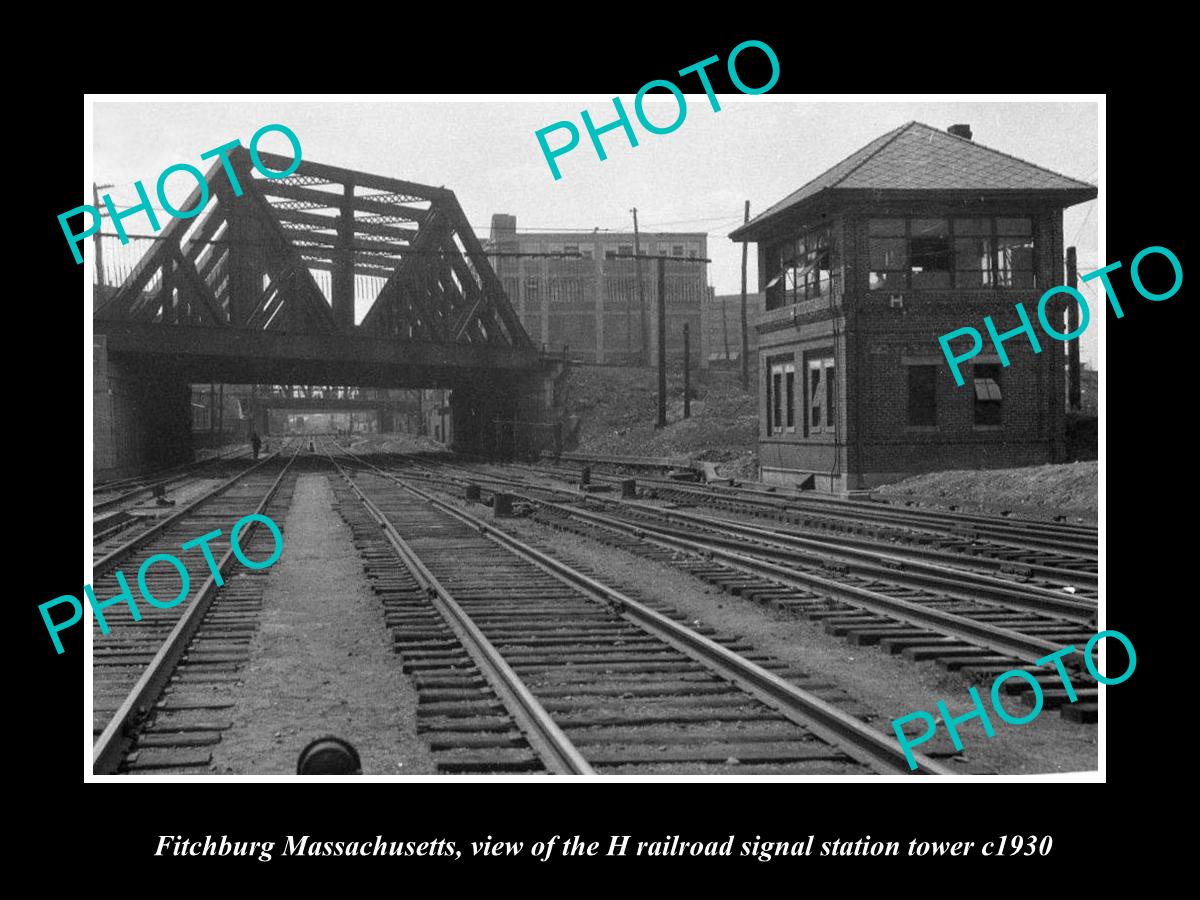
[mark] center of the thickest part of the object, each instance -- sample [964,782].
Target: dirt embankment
[1043,491]
[619,411]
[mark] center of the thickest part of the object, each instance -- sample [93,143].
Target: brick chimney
[504,227]
[962,131]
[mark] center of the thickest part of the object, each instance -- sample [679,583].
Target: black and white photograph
[684,435]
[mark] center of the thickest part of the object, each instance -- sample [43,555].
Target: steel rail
[545,737]
[960,584]
[109,561]
[1022,536]
[1004,641]
[952,561]
[826,721]
[110,748]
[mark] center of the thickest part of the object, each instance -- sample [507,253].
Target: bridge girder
[232,290]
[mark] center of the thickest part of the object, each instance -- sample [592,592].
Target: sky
[697,178]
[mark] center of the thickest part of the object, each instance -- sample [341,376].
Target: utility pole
[745,327]
[628,324]
[96,237]
[725,330]
[687,373]
[1074,389]
[637,255]
[662,345]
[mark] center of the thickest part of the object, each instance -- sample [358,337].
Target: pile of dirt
[1070,489]
[396,442]
[619,409]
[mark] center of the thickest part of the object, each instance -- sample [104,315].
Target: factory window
[610,254]
[564,290]
[586,252]
[677,250]
[692,253]
[781,396]
[820,395]
[570,248]
[532,293]
[625,250]
[922,396]
[988,397]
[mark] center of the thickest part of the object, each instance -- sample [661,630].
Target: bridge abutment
[508,416]
[140,422]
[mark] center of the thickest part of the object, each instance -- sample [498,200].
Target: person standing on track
[255,443]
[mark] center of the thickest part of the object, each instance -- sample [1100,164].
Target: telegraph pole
[96,238]
[1074,392]
[687,373]
[662,345]
[637,255]
[745,327]
[725,330]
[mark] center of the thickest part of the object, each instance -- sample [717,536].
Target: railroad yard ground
[1069,489]
[321,663]
[327,655]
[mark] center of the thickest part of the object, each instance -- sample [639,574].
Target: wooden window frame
[825,361]
[776,395]
[993,236]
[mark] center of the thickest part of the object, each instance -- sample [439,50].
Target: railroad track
[959,545]
[126,490]
[158,684]
[960,620]
[526,663]
[1041,546]
[115,519]
[984,573]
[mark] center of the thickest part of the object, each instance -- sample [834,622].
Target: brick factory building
[590,304]
[916,234]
